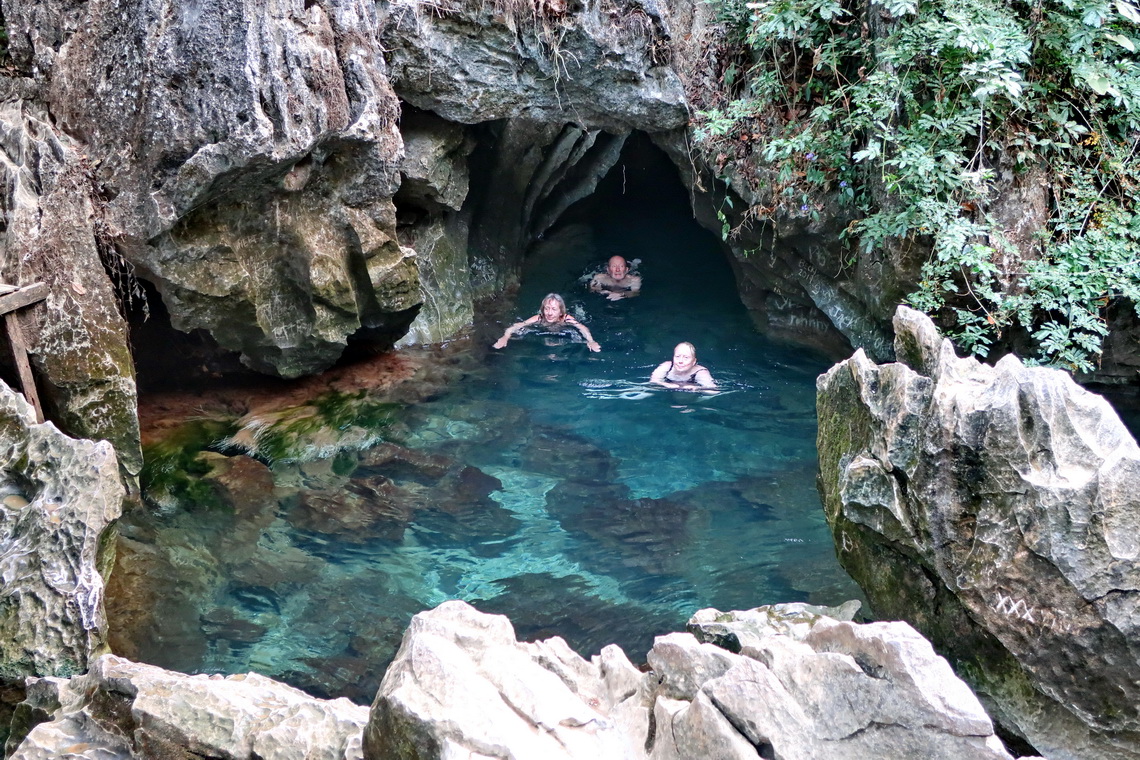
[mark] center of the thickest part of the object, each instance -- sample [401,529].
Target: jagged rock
[60,499]
[995,508]
[738,629]
[246,156]
[128,710]
[598,63]
[536,170]
[461,684]
[55,233]
[432,191]
[834,689]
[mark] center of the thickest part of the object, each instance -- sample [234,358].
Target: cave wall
[290,175]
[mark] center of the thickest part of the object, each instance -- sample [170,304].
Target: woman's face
[683,357]
[551,311]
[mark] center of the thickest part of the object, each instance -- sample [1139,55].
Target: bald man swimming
[616,282]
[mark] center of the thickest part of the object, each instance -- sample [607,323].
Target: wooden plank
[25,296]
[20,354]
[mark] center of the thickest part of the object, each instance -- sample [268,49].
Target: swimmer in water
[616,281]
[683,372]
[552,317]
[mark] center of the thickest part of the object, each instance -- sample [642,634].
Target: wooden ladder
[12,299]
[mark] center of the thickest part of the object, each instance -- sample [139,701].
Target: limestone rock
[842,690]
[599,63]
[247,155]
[60,500]
[432,191]
[740,628]
[55,233]
[128,710]
[996,509]
[461,683]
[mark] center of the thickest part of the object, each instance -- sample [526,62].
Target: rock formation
[59,499]
[995,508]
[806,686]
[126,710]
[56,233]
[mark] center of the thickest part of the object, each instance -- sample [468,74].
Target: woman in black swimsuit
[551,317]
[683,373]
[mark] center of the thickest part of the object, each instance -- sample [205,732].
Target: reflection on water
[544,482]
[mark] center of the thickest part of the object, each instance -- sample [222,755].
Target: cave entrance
[641,211]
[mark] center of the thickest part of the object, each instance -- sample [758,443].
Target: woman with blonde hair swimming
[551,317]
[683,372]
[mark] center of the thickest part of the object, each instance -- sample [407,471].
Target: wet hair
[692,348]
[558,300]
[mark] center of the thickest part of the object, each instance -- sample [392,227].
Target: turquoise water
[546,482]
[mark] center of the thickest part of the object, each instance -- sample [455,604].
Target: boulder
[995,508]
[461,685]
[59,500]
[807,687]
[128,710]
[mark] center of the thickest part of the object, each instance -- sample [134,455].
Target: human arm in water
[501,342]
[658,376]
[628,287]
[704,379]
[590,342]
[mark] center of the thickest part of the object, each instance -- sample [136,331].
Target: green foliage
[172,469]
[907,110]
[320,428]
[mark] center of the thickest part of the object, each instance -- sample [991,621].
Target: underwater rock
[462,684]
[128,710]
[60,500]
[358,512]
[995,508]
[240,484]
[386,491]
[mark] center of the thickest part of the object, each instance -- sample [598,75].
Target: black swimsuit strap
[692,377]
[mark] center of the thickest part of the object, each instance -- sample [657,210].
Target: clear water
[622,509]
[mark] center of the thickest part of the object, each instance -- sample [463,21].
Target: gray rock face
[59,499]
[812,687]
[55,233]
[126,710]
[462,684]
[996,509]
[597,63]
[809,687]
[433,187]
[247,156]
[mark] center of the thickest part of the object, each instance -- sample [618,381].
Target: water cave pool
[541,481]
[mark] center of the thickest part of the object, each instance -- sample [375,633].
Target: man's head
[617,268]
